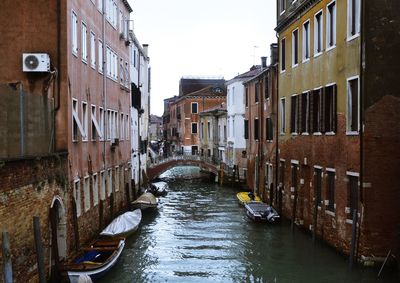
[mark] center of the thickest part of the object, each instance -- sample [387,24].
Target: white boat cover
[146,198]
[160,185]
[124,223]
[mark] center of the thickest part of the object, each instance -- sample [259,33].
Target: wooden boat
[96,259]
[245,197]
[146,200]
[158,188]
[124,225]
[259,211]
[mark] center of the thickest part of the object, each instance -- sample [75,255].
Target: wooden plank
[39,249]
[7,265]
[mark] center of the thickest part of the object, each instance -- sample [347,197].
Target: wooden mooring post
[39,249]
[7,265]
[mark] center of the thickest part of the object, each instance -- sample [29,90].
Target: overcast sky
[201,38]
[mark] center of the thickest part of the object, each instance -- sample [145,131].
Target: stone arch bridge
[160,166]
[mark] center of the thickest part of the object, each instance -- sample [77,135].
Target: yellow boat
[245,197]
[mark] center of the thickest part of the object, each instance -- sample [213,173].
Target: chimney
[146,49]
[264,62]
[274,53]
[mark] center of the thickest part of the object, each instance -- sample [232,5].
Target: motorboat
[245,197]
[262,212]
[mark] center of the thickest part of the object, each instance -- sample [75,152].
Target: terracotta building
[181,117]
[259,130]
[69,61]
[337,157]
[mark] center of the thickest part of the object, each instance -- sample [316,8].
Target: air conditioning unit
[35,62]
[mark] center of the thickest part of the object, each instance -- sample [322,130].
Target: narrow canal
[201,234]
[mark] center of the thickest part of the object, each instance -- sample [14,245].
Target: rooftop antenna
[254,54]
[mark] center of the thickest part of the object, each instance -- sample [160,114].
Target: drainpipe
[104,86]
[277,159]
[57,100]
[139,137]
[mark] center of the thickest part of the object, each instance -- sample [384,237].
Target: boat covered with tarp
[124,225]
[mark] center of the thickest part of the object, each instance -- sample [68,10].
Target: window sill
[295,65]
[352,133]
[317,134]
[305,134]
[282,71]
[84,61]
[306,60]
[331,48]
[331,213]
[318,54]
[330,133]
[282,12]
[75,53]
[93,67]
[351,37]
[294,134]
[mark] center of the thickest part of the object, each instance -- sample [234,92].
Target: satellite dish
[31,62]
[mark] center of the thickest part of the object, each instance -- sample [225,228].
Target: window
[102,186]
[127,127]
[84,121]
[331,25]
[316,105]
[100,5]
[295,169]
[77,197]
[246,129]
[305,112]
[86,193]
[109,182]
[330,189]
[353,18]
[318,33]
[116,185]
[84,42]
[295,114]
[306,41]
[92,50]
[121,71]
[121,23]
[283,54]
[352,193]
[74,31]
[268,175]
[224,132]
[233,126]
[95,184]
[317,184]
[194,128]
[127,77]
[256,92]
[269,129]
[76,123]
[201,130]
[247,97]
[282,5]
[282,112]
[194,107]
[208,130]
[256,129]
[101,126]
[266,89]
[353,105]
[122,127]
[295,48]
[100,56]
[97,130]
[330,109]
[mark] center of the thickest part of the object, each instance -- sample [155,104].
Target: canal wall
[32,187]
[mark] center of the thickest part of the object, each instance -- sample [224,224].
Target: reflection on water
[201,234]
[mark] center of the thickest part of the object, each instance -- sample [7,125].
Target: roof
[215,110]
[192,84]
[254,71]
[126,3]
[218,90]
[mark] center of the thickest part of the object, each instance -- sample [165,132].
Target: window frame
[282,55]
[84,44]
[318,33]
[331,26]
[74,33]
[282,116]
[192,124]
[306,41]
[357,20]
[197,107]
[349,130]
[295,48]
[93,49]
[85,124]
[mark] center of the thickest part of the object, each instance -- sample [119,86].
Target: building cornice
[295,15]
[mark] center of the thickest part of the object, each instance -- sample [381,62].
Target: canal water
[201,234]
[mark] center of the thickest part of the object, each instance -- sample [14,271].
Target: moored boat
[146,200]
[96,259]
[124,225]
[245,197]
[259,211]
[158,188]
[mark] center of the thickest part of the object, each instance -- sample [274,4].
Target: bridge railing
[175,157]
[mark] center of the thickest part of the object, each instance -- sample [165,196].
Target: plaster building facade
[70,64]
[140,108]
[336,156]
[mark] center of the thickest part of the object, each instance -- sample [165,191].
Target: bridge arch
[157,169]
